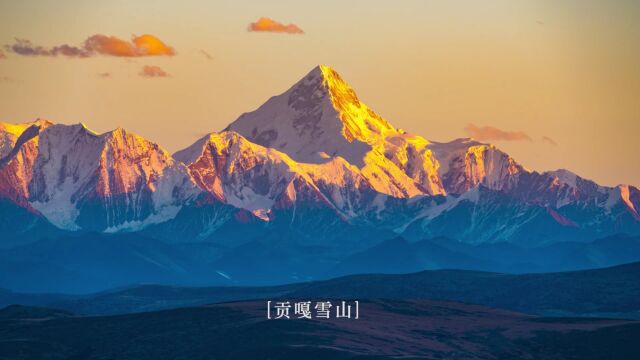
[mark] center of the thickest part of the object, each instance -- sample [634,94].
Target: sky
[554,83]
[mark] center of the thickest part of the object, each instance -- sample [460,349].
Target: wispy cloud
[24,47]
[105,75]
[265,24]
[490,133]
[152,71]
[549,141]
[143,45]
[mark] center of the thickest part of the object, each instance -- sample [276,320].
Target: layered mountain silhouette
[574,293]
[312,168]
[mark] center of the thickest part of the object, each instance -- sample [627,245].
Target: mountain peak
[323,70]
[121,179]
[41,123]
[359,121]
[120,133]
[18,129]
[12,136]
[319,117]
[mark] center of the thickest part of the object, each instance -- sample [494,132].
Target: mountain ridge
[314,146]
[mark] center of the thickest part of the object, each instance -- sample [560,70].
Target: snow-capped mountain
[286,193]
[9,134]
[315,149]
[321,118]
[255,178]
[78,179]
[466,163]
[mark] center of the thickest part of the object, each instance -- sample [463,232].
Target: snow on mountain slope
[484,216]
[466,163]
[252,177]
[313,157]
[82,180]
[321,117]
[16,166]
[9,134]
[238,172]
[20,222]
[524,207]
[627,195]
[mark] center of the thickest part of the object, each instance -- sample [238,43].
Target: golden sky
[554,83]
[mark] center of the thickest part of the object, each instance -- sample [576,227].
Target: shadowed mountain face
[401,256]
[88,263]
[95,262]
[385,329]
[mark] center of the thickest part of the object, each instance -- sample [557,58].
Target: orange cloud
[144,45]
[105,75]
[265,24]
[490,133]
[549,141]
[152,71]
[2,55]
